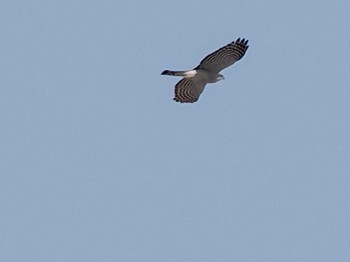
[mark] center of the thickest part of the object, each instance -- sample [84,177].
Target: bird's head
[220,77]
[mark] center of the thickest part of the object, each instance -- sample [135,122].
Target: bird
[190,87]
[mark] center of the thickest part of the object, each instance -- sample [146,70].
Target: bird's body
[188,89]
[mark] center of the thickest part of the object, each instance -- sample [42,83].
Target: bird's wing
[188,90]
[225,56]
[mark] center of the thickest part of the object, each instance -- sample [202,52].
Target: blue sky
[98,163]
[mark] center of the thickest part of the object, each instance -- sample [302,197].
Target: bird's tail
[187,73]
[173,73]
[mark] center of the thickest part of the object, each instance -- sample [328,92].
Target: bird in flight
[189,88]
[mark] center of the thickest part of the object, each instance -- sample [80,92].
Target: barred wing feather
[225,56]
[188,91]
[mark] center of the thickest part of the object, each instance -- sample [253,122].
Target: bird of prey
[189,88]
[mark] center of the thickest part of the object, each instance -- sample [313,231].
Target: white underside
[190,73]
[203,75]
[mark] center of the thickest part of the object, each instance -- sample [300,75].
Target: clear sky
[98,163]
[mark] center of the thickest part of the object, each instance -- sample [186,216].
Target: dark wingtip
[165,72]
[242,41]
[176,99]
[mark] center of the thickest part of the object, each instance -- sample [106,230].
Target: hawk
[189,88]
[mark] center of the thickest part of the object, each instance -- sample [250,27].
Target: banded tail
[187,73]
[173,73]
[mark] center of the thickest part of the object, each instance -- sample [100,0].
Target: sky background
[97,163]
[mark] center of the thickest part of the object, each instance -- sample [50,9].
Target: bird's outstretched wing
[188,91]
[225,56]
